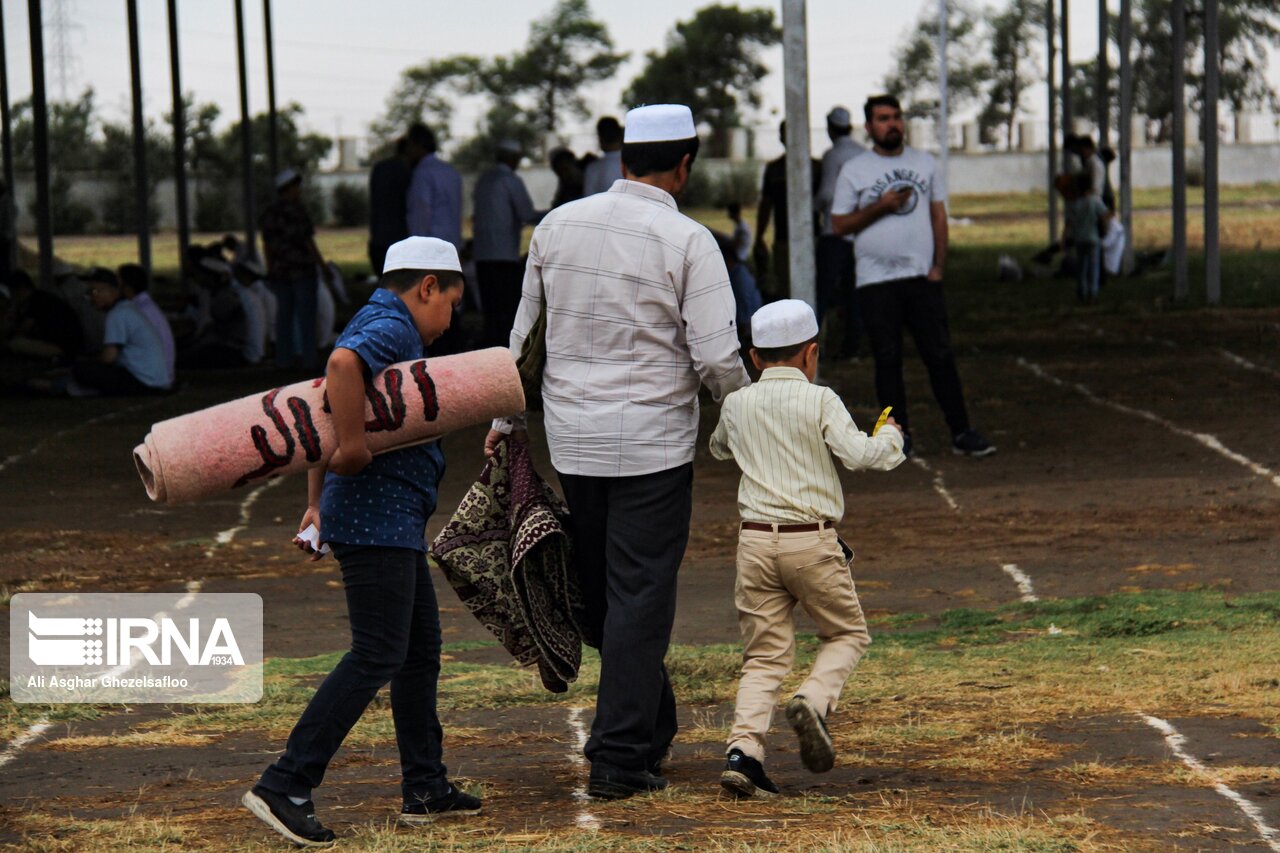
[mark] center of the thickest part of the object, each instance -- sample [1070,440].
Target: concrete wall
[978,173]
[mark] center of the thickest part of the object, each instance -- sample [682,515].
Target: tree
[1014,68]
[1247,29]
[915,76]
[426,95]
[712,63]
[566,51]
[114,155]
[71,148]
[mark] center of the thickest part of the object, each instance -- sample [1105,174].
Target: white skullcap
[659,123]
[839,117]
[510,146]
[422,253]
[782,324]
[286,177]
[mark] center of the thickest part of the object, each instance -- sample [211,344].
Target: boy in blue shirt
[373,511]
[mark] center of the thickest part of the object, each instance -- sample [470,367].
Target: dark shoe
[817,753]
[655,765]
[743,776]
[610,783]
[971,443]
[906,444]
[453,804]
[296,823]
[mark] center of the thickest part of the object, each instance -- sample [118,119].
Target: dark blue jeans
[395,636]
[629,536]
[835,273]
[296,320]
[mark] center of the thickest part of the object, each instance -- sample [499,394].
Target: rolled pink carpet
[286,430]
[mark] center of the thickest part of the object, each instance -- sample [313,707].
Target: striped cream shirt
[639,314]
[784,432]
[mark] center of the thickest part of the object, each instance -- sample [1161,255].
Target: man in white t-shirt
[894,199]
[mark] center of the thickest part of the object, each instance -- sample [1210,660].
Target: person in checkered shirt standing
[639,315]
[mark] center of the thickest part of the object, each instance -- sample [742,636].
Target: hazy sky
[340,58]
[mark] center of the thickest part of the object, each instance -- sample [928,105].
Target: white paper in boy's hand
[312,537]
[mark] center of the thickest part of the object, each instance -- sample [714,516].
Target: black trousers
[395,636]
[110,379]
[500,283]
[836,285]
[629,536]
[918,305]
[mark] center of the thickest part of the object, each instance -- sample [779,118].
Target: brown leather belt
[812,527]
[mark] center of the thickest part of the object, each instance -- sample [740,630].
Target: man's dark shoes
[744,776]
[611,783]
[453,804]
[971,443]
[817,753]
[296,823]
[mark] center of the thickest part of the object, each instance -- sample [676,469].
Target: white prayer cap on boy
[422,253]
[839,117]
[782,324]
[659,123]
[286,177]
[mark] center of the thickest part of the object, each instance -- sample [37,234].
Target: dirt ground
[1104,482]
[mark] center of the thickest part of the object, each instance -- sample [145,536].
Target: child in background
[373,512]
[785,434]
[1086,221]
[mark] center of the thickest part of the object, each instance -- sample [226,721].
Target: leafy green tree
[1014,69]
[72,147]
[1248,29]
[915,76]
[712,63]
[426,94]
[566,51]
[114,156]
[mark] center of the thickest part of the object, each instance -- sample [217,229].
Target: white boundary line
[1177,743]
[1022,579]
[40,445]
[225,537]
[1238,360]
[939,485]
[1247,364]
[1210,441]
[11,751]
[585,818]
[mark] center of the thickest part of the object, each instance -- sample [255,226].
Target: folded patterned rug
[286,430]
[507,554]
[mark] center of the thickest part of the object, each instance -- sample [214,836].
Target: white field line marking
[1022,579]
[42,444]
[939,485]
[1177,743]
[225,537]
[15,746]
[1247,364]
[1210,441]
[585,818]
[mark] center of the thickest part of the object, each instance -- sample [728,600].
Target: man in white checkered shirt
[639,314]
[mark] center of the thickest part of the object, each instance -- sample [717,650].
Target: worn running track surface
[1083,498]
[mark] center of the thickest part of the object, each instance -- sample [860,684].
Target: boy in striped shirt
[785,433]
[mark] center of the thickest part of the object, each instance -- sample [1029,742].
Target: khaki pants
[775,571]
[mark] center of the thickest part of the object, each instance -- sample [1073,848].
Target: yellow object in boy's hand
[884,416]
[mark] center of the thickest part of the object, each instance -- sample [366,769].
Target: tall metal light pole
[1050,29]
[40,117]
[179,144]
[1126,130]
[1103,76]
[141,199]
[1179,150]
[1212,258]
[1065,91]
[272,127]
[246,139]
[944,136]
[799,171]
[6,156]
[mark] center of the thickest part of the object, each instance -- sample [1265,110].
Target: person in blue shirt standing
[373,512]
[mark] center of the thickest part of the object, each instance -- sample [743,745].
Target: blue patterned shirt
[388,503]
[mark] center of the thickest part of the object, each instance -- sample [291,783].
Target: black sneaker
[817,753]
[296,823]
[906,444]
[611,783]
[743,776]
[453,804]
[971,443]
